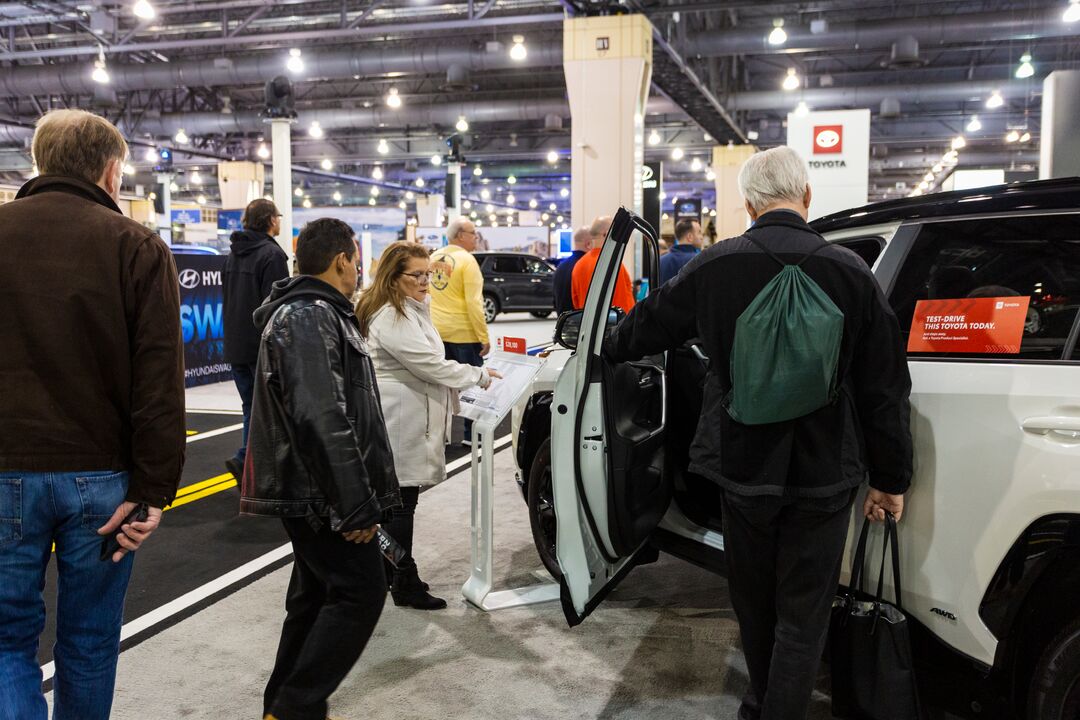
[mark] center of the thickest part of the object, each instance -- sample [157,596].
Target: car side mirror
[568,326]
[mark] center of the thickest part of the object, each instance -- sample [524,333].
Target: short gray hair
[77,144]
[776,175]
[455,226]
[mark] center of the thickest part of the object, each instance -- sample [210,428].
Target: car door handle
[1068,427]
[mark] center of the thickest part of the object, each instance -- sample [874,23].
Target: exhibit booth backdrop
[836,146]
[200,318]
[533,240]
[386,225]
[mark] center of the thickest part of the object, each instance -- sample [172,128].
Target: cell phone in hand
[109,543]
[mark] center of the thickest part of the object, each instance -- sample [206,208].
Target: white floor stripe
[215,433]
[199,594]
[213,411]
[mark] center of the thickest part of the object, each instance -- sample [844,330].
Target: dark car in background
[515,282]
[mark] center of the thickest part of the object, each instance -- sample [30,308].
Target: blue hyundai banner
[186,217]
[229,219]
[200,318]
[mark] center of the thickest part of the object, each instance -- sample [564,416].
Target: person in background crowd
[583,271]
[564,273]
[688,242]
[457,300]
[788,487]
[91,411]
[254,264]
[417,386]
[319,459]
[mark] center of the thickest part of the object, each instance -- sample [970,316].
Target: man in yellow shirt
[457,299]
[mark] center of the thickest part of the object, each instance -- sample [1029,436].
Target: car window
[1031,258]
[507,264]
[868,248]
[536,266]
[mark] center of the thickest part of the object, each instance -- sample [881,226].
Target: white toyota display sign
[836,145]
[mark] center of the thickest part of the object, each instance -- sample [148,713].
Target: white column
[1059,140]
[281,147]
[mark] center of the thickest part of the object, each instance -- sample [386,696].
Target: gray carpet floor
[664,645]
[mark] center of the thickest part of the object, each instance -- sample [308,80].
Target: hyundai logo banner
[201,320]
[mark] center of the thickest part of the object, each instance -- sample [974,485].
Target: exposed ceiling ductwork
[832,97]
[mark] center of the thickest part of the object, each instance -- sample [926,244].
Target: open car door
[607,452]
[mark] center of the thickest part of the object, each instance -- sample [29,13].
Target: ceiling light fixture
[958,142]
[791,82]
[654,138]
[393,99]
[410,195]
[462,124]
[299,192]
[337,196]
[295,64]
[201,199]
[151,155]
[477,171]
[1012,136]
[802,109]
[545,217]
[402,205]
[375,191]
[552,157]
[710,175]
[1072,13]
[196,178]
[778,36]
[466,205]
[995,100]
[533,203]
[129,169]
[263,152]
[173,187]
[564,192]
[511,180]
[1026,69]
[383,147]
[327,164]
[144,10]
[553,207]
[677,153]
[518,51]
[181,138]
[101,72]
[436,160]
[315,130]
[975,125]
[695,164]
[510,199]
[420,182]
[1025,137]
[751,134]
[371,201]
[377,173]
[485,194]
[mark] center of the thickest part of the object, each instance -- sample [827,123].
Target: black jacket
[562,283]
[317,443]
[91,356]
[818,455]
[254,264]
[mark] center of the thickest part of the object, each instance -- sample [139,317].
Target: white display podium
[488,408]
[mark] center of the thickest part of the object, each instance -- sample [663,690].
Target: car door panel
[607,447]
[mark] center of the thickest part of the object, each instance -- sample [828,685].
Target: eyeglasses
[420,277]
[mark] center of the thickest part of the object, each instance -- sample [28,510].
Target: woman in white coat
[418,388]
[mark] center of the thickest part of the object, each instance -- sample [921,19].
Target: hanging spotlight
[101,72]
[337,196]
[1072,13]
[410,195]
[485,194]
[181,138]
[553,207]
[710,175]
[383,147]
[552,157]
[677,153]
[466,204]
[1012,137]
[511,180]
[489,208]
[173,187]
[377,173]
[778,36]
[564,192]
[791,82]
[545,217]
[995,100]
[144,10]
[375,191]
[462,124]
[299,192]
[493,218]
[327,164]
[436,160]
[371,201]
[196,178]
[128,169]
[958,142]
[1026,69]
[1025,137]
[263,152]
[802,109]
[654,138]
[975,125]
[510,199]
[533,204]
[393,99]
[315,130]
[201,199]
[518,51]
[420,182]
[695,164]
[151,155]
[294,64]
[559,219]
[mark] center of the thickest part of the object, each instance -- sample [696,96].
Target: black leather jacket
[317,443]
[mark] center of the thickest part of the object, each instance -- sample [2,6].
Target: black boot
[409,591]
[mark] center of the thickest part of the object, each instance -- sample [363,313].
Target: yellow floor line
[192,497]
[192,432]
[188,489]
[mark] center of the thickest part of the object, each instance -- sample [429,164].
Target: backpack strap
[812,253]
[775,257]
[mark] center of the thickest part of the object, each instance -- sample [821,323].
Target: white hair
[455,227]
[776,175]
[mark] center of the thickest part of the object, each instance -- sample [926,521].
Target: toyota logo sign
[828,139]
[189,279]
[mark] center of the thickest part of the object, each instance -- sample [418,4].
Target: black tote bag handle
[891,546]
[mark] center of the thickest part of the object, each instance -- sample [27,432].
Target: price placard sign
[992,326]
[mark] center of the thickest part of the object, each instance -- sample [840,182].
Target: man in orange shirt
[624,294]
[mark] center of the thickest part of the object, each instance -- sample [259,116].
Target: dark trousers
[400,528]
[334,601]
[469,354]
[783,561]
[244,377]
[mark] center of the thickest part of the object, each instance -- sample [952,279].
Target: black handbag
[873,677]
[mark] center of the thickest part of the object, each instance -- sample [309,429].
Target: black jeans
[334,601]
[244,377]
[783,561]
[469,354]
[400,528]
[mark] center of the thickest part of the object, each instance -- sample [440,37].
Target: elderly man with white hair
[787,486]
[457,300]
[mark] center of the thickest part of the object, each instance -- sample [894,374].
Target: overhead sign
[186,217]
[652,187]
[230,220]
[969,325]
[836,147]
[687,209]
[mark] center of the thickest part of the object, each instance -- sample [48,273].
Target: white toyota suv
[991,532]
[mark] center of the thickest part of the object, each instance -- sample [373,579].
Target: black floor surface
[204,539]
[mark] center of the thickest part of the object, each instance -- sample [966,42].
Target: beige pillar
[240,183]
[731,217]
[608,66]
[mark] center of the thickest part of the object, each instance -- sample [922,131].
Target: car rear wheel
[540,313]
[1055,685]
[491,308]
[541,504]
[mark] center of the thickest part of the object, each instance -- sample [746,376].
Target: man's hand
[485,349]
[132,535]
[877,503]
[360,536]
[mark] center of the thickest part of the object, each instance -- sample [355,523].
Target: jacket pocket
[10,510]
[358,362]
[100,495]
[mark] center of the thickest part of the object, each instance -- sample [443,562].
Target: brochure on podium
[493,403]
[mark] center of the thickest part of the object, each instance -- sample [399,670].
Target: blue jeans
[467,354]
[244,377]
[36,510]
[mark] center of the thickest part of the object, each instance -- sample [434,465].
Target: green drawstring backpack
[787,348]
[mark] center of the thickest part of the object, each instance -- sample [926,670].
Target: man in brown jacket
[91,411]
